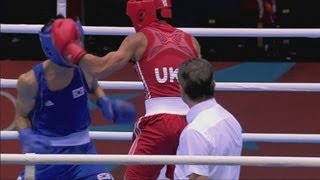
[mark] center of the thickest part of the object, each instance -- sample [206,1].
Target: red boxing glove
[65,37]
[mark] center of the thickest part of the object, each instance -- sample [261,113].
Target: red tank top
[167,48]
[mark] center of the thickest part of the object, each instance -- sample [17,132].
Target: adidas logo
[48,103]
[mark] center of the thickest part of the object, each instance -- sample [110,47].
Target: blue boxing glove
[31,142]
[121,112]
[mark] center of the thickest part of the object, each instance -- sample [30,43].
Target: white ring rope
[220,86]
[270,161]
[247,137]
[204,32]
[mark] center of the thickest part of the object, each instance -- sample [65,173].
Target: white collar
[196,109]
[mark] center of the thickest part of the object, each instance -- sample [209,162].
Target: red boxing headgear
[143,12]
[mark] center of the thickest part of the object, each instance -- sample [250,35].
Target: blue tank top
[61,112]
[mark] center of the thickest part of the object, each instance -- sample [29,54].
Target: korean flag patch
[78,92]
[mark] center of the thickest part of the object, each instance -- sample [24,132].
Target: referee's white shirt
[212,131]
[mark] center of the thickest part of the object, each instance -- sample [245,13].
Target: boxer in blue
[52,116]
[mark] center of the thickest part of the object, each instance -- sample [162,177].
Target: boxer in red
[156,49]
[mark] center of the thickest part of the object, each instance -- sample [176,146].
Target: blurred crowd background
[187,13]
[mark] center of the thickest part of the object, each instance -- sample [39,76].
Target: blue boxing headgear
[48,47]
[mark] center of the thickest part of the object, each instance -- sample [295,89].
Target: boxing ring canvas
[258,112]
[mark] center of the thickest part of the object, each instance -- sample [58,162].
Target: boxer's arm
[102,67]
[95,91]
[27,89]
[118,111]
[65,36]
[26,93]
[197,46]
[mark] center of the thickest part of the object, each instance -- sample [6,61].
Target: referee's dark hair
[196,79]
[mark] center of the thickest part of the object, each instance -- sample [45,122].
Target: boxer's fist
[117,110]
[66,39]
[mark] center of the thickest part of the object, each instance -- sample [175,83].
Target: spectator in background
[267,15]
[211,129]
